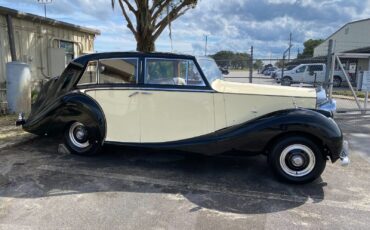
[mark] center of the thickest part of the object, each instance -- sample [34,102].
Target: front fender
[260,133]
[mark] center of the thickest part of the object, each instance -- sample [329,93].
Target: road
[141,189]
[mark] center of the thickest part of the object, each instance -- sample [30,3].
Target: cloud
[233,24]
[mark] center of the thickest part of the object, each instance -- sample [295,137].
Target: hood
[256,89]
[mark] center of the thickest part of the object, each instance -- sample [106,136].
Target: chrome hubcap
[78,135]
[297,160]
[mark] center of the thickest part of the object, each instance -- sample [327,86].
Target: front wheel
[82,140]
[286,81]
[297,160]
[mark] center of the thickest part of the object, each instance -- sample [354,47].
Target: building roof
[37,18]
[347,24]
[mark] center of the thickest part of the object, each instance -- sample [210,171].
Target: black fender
[258,135]
[74,106]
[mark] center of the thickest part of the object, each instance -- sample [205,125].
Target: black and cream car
[169,101]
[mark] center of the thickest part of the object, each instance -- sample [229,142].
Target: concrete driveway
[141,189]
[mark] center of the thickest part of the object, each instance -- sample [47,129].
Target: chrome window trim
[123,58]
[149,89]
[96,74]
[181,59]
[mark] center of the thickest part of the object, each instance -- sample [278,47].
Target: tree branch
[130,6]
[129,23]
[172,16]
[161,7]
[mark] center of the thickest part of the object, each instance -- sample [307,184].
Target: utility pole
[251,66]
[328,65]
[205,46]
[290,45]
[44,2]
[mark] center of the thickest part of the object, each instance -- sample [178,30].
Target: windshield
[210,69]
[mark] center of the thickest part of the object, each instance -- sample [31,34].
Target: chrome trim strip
[151,89]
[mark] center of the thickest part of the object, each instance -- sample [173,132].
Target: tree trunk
[145,45]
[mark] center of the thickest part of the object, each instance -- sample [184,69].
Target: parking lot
[142,189]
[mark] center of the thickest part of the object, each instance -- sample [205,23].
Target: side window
[172,72]
[118,71]
[315,68]
[89,76]
[301,69]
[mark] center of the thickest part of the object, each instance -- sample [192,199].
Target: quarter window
[118,71]
[89,76]
[172,72]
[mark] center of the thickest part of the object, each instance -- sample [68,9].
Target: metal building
[353,37]
[45,44]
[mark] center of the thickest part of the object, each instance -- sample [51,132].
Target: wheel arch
[272,142]
[79,107]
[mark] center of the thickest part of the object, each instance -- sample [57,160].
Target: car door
[314,74]
[300,73]
[176,103]
[116,93]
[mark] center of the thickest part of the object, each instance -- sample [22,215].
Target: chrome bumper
[329,105]
[344,154]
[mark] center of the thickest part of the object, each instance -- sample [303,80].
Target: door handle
[146,93]
[133,94]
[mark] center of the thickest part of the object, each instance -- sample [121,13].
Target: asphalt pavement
[127,188]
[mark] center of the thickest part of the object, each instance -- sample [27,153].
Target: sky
[233,25]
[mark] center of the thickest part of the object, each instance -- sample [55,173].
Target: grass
[348,93]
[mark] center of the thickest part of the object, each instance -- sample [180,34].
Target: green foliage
[258,64]
[232,60]
[309,47]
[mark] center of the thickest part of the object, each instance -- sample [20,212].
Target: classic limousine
[169,101]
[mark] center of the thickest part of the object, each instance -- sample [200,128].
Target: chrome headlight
[323,102]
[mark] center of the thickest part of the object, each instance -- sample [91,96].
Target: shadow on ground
[223,183]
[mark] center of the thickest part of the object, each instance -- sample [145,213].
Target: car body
[170,101]
[311,73]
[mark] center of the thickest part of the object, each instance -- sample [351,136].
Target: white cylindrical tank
[18,84]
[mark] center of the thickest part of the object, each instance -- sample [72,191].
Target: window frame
[96,75]
[123,58]
[205,86]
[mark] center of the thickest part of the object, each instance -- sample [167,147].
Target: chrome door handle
[133,94]
[146,93]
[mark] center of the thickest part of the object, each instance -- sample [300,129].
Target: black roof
[83,60]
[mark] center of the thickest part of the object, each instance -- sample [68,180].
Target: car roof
[83,60]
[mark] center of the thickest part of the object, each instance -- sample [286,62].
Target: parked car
[168,101]
[312,73]
[277,73]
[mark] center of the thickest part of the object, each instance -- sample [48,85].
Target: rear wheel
[287,81]
[82,140]
[337,81]
[297,160]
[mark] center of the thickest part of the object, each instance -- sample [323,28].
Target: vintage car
[169,101]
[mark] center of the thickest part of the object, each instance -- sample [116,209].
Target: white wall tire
[297,159]
[81,139]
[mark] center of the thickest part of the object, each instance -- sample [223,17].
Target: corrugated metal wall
[32,40]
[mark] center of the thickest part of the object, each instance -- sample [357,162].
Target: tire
[81,139]
[297,160]
[337,81]
[286,81]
